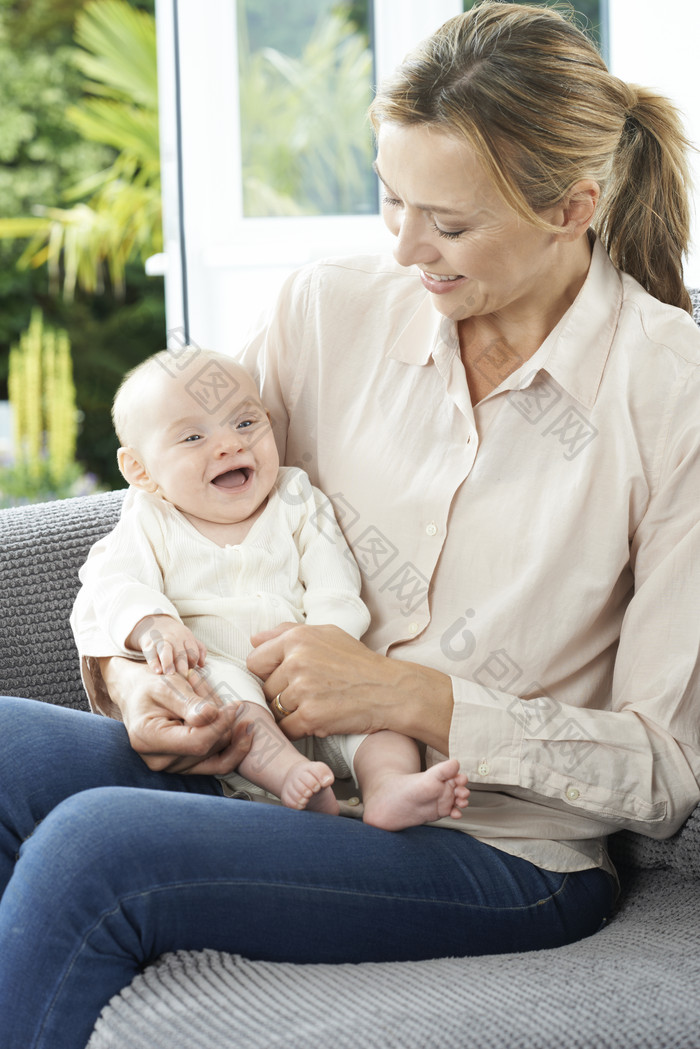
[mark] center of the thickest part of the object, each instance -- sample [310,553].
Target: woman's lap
[50,752]
[116,875]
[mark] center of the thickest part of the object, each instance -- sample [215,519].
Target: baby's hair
[172,363]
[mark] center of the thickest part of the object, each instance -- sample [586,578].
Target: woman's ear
[134,471]
[578,208]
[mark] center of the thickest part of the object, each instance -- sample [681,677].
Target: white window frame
[222,269]
[233,266]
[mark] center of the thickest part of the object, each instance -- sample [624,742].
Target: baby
[216,543]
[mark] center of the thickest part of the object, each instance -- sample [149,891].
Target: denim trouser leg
[114,876]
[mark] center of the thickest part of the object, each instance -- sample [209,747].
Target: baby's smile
[232,479]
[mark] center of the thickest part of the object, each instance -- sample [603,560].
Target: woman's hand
[177,724]
[332,683]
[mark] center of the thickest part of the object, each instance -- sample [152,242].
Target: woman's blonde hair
[530,92]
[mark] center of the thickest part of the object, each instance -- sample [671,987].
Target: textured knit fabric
[41,550]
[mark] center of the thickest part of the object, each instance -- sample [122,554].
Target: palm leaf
[129,129]
[17,229]
[120,51]
[121,218]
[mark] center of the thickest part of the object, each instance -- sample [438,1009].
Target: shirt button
[484,768]
[432,528]
[413,628]
[572,793]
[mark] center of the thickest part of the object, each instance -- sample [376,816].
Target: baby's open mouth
[232,478]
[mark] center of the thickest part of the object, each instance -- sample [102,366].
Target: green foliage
[45,419]
[39,24]
[108,338]
[121,218]
[40,150]
[41,81]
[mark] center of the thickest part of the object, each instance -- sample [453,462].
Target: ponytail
[644,215]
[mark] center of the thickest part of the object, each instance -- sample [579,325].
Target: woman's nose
[413,241]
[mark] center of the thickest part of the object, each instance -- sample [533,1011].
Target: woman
[508,432]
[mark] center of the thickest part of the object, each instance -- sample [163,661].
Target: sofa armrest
[41,550]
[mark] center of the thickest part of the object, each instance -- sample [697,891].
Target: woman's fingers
[269,649]
[175,723]
[329,681]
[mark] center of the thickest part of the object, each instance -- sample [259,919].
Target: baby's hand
[168,645]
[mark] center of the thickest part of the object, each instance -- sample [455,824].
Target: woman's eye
[391,202]
[448,234]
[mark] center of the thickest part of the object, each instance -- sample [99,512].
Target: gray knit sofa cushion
[41,549]
[634,985]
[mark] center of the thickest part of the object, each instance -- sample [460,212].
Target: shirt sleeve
[637,764]
[121,585]
[327,568]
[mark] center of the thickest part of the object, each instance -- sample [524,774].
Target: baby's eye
[245,423]
[193,437]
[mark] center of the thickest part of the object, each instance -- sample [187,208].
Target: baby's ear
[133,470]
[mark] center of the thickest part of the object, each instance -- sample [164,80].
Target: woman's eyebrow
[433,208]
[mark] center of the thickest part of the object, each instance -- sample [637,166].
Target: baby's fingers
[159,657]
[164,658]
[202,656]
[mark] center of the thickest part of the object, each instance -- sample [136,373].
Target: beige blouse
[541,548]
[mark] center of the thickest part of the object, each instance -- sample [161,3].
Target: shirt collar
[574,353]
[415,343]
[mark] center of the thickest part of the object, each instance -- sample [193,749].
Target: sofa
[633,985]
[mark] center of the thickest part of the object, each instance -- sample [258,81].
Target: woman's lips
[440,284]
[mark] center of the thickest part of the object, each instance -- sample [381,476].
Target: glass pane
[306,75]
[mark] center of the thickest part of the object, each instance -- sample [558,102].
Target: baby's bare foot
[307,785]
[420,797]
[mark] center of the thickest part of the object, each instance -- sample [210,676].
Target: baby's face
[207,442]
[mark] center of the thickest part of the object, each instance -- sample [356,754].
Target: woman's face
[475,255]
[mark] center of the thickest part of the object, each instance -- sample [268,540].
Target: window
[265,145]
[305,74]
[266,149]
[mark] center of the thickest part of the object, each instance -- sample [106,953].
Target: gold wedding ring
[278,708]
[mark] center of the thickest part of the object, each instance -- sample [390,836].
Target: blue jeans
[104,865]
